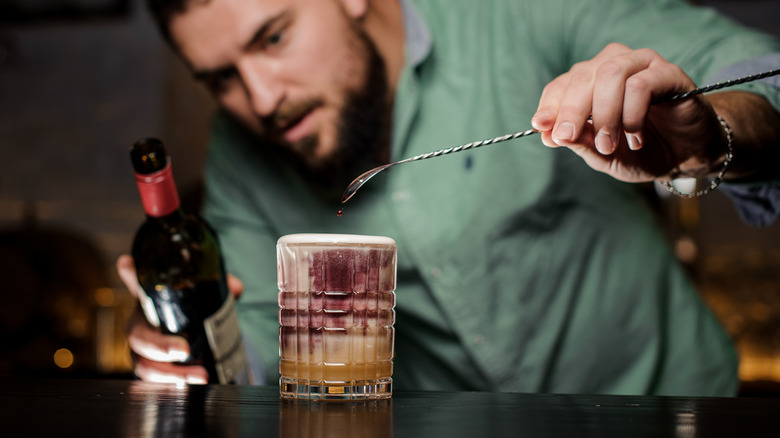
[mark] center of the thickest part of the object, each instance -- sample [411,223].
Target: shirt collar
[418,36]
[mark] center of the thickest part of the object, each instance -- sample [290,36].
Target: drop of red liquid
[339,213]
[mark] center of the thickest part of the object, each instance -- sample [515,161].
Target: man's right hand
[156,356]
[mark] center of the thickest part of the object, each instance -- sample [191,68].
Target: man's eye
[221,81]
[273,39]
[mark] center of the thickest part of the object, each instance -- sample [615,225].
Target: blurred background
[81,80]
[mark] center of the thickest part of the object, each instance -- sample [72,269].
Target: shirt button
[400,195]
[478,339]
[436,272]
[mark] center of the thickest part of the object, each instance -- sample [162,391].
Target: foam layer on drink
[335,263]
[311,239]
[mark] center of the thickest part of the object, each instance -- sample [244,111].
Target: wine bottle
[179,266]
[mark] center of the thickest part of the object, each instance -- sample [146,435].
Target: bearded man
[521,267]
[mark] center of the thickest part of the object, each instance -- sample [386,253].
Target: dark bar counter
[128,408]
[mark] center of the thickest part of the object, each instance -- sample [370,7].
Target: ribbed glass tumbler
[336,316]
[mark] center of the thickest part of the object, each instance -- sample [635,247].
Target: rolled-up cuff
[757,205]
[749,67]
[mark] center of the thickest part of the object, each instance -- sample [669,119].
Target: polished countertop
[130,408]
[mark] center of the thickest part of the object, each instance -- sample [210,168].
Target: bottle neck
[158,192]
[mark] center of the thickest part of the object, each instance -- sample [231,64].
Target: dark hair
[163,10]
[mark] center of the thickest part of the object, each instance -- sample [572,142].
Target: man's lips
[296,129]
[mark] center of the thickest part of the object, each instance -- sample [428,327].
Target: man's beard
[363,129]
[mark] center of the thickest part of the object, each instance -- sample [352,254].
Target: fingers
[148,342]
[235,285]
[615,89]
[660,78]
[125,267]
[155,354]
[564,106]
[566,102]
[547,111]
[621,93]
[143,338]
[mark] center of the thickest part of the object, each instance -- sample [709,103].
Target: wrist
[718,161]
[715,154]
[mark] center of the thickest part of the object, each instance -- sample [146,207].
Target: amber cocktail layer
[336,318]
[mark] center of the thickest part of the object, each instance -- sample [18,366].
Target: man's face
[299,73]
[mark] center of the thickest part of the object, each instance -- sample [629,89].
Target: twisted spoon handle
[719,85]
[467,146]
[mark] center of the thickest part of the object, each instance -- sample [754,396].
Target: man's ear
[356,8]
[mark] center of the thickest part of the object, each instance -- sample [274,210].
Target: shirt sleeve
[757,204]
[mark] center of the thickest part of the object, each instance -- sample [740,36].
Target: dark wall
[76,92]
[76,89]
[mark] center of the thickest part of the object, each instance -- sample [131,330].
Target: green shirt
[519,268]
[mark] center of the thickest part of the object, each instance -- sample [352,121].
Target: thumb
[125,267]
[235,285]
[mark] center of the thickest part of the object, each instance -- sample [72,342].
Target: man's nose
[263,85]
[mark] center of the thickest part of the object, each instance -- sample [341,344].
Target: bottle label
[225,341]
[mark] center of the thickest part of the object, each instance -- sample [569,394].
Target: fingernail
[604,143]
[195,380]
[564,132]
[633,142]
[542,119]
[178,350]
[178,355]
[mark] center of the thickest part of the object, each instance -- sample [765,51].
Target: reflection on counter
[171,410]
[304,419]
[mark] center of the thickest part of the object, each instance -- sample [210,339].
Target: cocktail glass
[336,315]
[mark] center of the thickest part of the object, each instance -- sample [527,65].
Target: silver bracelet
[719,177]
